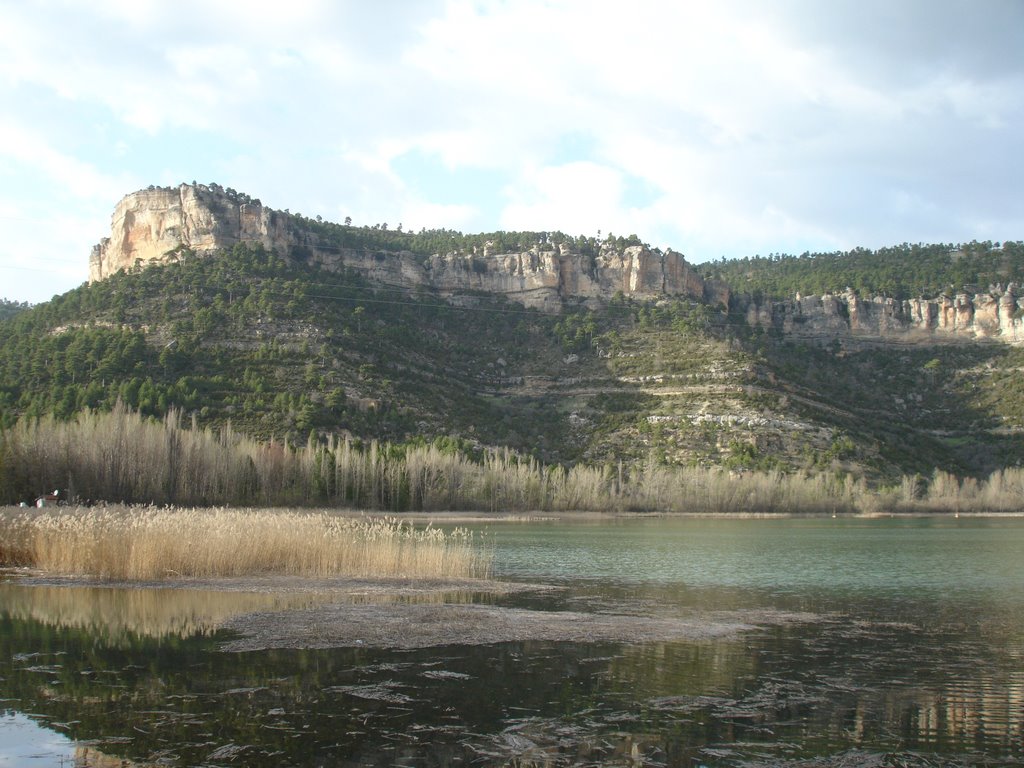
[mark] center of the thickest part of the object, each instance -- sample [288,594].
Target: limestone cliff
[993,314]
[154,226]
[151,226]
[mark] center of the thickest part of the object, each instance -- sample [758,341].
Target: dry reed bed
[122,456]
[146,543]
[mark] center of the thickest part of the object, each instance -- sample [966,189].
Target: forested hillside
[10,308]
[277,350]
[900,272]
[288,352]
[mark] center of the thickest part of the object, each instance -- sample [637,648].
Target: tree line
[901,271]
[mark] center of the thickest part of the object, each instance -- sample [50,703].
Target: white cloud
[28,148]
[750,127]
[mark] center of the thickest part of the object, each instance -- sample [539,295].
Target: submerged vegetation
[122,456]
[142,543]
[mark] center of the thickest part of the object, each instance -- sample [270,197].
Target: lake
[900,643]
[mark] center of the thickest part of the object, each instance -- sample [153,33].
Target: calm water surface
[908,651]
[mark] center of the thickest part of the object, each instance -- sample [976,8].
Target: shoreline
[585,516]
[534,516]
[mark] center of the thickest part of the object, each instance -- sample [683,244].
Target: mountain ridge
[549,273]
[281,349]
[157,225]
[297,345]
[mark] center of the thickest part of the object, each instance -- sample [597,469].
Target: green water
[814,555]
[905,647]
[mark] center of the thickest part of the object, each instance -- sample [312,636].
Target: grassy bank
[119,456]
[143,543]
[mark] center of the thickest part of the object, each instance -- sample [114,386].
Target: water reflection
[111,614]
[789,693]
[877,677]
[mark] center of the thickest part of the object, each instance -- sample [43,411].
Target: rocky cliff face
[153,226]
[994,314]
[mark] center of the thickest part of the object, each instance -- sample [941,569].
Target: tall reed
[121,456]
[141,543]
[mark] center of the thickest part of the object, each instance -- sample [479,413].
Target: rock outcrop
[153,225]
[994,314]
[156,225]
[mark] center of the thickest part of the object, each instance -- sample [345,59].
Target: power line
[421,305]
[446,302]
[413,304]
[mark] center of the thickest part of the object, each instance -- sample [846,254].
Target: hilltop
[861,294]
[537,269]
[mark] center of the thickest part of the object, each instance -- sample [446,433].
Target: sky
[722,128]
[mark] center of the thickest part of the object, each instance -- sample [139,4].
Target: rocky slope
[158,225]
[279,350]
[993,314]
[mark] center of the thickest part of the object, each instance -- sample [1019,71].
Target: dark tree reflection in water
[925,668]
